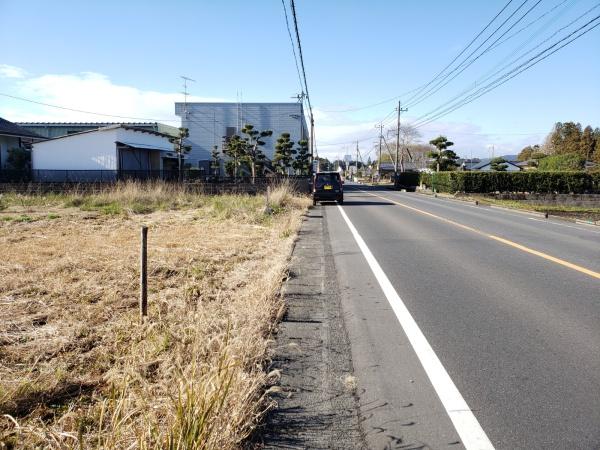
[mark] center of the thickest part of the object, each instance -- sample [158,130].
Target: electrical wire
[287,24]
[467,47]
[481,81]
[444,80]
[424,86]
[301,56]
[514,72]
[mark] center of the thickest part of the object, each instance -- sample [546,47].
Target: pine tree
[443,158]
[180,148]
[215,163]
[587,143]
[254,154]
[284,151]
[302,161]
[235,148]
[498,165]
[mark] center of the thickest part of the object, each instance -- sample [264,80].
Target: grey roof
[82,124]
[12,129]
[484,162]
[117,125]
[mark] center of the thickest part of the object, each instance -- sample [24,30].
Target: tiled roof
[12,129]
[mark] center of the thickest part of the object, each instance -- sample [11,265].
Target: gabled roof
[112,127]
[487,161]
[10,129]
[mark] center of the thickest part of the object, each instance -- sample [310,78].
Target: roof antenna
[299,97]
[185,93]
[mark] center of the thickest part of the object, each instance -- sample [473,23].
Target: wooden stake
[144,274]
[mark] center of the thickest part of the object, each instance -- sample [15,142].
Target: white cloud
[93,92]
[7,71]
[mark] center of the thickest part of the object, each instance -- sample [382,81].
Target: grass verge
[574,212]
[78,370]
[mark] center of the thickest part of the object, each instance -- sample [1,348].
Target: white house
[104,154]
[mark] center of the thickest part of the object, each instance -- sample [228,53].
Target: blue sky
[124,58]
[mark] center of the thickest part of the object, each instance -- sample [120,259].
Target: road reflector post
[144,274]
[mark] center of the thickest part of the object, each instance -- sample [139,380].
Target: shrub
[569,161]
[538,181]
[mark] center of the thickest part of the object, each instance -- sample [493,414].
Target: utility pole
[380,126]
[312,138]
[400,110]
[356,160]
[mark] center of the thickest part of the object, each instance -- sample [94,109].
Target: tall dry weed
[77,370]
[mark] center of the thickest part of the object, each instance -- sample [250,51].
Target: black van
[328,187]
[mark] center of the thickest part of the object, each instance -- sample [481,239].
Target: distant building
[104,154]
[13,136]
[485,165]
[57,129]
[209,123]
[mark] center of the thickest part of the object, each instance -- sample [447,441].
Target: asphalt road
[507,301]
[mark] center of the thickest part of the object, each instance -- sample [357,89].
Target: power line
[465,48]
[373,104]
[479,82]
[287,24]
[424,86]
[537,19]
[516,71]
[87,112]
[441,83]
[312,119]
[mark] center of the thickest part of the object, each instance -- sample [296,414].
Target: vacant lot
[78,370]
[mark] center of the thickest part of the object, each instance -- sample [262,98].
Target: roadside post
[268,209]
[144,274]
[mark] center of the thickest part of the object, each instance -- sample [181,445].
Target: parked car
[328,187]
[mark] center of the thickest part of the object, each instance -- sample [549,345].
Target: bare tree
[409,135]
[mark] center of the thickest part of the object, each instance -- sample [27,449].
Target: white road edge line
[563,225]
[462,417]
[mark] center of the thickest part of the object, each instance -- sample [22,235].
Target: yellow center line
[523,248]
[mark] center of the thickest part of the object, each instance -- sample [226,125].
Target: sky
[126,58]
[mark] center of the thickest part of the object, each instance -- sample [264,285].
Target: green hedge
[528,181]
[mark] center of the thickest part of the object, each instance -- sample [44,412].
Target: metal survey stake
[144,274]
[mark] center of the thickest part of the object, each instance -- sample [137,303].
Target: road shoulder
[316,402]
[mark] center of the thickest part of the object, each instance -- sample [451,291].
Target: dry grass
[77,370]
[574,212]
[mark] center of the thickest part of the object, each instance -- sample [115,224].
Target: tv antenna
[299,97]
[185,92]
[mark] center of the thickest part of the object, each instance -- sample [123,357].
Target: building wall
[7,142]
[209,122]
[86,151]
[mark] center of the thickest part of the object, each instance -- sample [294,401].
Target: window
[230,131]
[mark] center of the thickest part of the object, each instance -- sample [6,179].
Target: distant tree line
[567,147]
